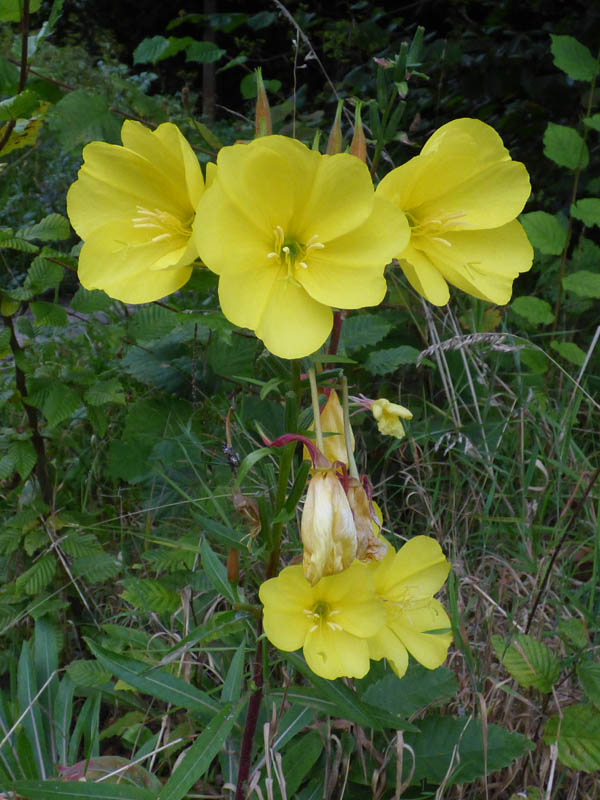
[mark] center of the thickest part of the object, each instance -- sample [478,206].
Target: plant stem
[23,72]
[314,395]
[251,721]
[352,468]
[334,341]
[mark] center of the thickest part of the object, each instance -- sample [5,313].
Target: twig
[23,70]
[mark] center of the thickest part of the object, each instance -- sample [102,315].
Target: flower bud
[328,530]
[388,417]
[332,422]
[263,111]
[358,146]
[334,143]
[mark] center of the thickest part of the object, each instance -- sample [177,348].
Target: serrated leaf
[150,595]
[62,402]
[588,673]
[81,543]
[88,673]
[573,58]
[574,630]
[587,210]
[418,688]
[578,737]
[565,146]
[150,50]
[52,228]
[38,576]
[97,568]
[529,662]
[570,352]
[434,749]
[583,284]
[81,117]
[48,314]
[25,131]
[239,358]
[364,330]
[102,392]
[87,301]
[533,309]
[21,106]
[545,232]
[11,242]
[23,457]
[383,362]
[153,322]
[43,274]
[203,52]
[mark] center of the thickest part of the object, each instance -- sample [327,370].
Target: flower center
[167,225]
[434,228]
[404,601]
[291,253]
[321,615]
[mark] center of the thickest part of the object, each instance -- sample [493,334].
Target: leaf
[23,457]
[38,576]
[21,106]
[232,685]
[565,147]
[298,760]
[25,132]
[529,662]
[383,362]
[61,403]
[592,122]
[43,274]
[573,58]
[533,309]
[48,314]
[248,86]
[583,283]
[150,595]
[420,687]
[588,673]
[87,301]
[570,352]
[88,674]
[156,682]
[80,790]
[434,748]
[150,50]
[575,631]
[239,358]
[52,228]
[578,737]
[545,232]
[199,756]
[32,722]
[81,117]
[364,330]
[97,568]
[102,392]
[216,573]
[587,210]
[10,10]
[203,52]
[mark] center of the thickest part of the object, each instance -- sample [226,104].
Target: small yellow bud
[332,423]
[388,417]
[358,146]
[327,529]
[334,143]
[263,111]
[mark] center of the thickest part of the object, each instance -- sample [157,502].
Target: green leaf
[22,456]
[592,122]
[156,682]
[199,756]
[80,790]
[87,301]
[565,147]
[239,358]
[575,631]
[533,309]
[88,673]
[21,106]
[216,573]
[364,330]
[10,10]
[38,576]
[545,232]
[97,568]
[434,749]
[383,362]
[578,737]
[298,760]
[587,210]
[81,117]
[583,284]
[573,58]
[588,673]
[420,687]
[102,392]
[149,595]
[10,242]
[570,352]
[203,52]
[48,314]
[248,86]
[32,723]
[62,402]
[529,662]
[52,228]
[150,50]
[43,274]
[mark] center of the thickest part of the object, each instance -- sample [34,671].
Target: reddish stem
[334,340]
[251,721]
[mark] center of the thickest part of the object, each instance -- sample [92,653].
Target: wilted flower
[462,195]
[134,207]
[405,583]
[332,422]
[386,414]
[369,544]
[331,620]
[291,233]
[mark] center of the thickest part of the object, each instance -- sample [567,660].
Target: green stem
[352,468]
[314,395]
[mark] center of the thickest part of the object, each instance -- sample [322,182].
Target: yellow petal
[423,276]
[428,649]
[285,599]
[336,654]
[351,594]
[419,566]
[484,263]
[385,644]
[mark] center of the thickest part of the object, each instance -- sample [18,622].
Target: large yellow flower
[330,621]
[134,207]
[462,195]
[405,583]
[291,233]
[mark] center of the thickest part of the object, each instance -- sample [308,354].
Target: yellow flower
[462,195]
[291,233]
[134,206]
[327,529]
[331,621]
[388,415]
[332,422]
[405,583]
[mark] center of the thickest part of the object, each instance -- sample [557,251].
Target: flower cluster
[384,609]
[293,233]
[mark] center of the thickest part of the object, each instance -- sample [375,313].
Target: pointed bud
[358,146]
[334,143]
[328,531]
[263,112]
[332,425]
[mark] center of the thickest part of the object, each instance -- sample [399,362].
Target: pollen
[167,225]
